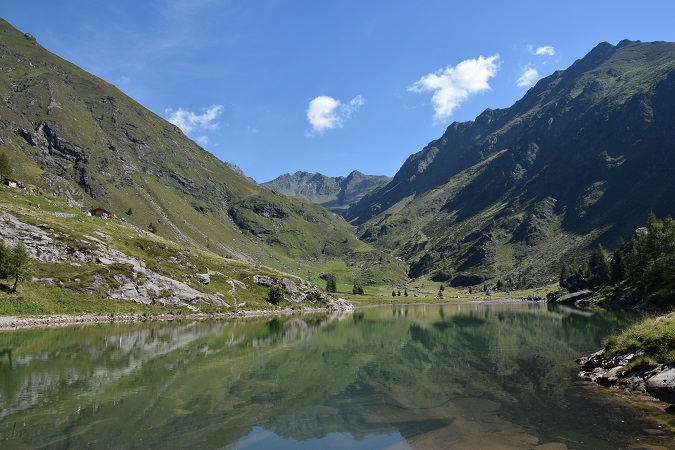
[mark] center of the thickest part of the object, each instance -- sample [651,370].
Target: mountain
[77,137]
[580,160]
[334,193]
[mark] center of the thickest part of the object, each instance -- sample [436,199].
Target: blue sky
[277,86]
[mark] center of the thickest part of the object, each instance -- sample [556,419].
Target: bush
[275,295]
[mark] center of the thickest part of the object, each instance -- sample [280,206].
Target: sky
[277,86]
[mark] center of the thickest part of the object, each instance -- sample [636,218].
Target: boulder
[204,278]
[574,296]
[661,385]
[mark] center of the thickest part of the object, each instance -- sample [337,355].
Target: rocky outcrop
[143,285]
[657,383]
[146,286]
[304,292]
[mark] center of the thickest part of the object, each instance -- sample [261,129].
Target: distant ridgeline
[335,193]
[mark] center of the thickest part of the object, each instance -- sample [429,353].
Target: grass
[80,287]
[654,336]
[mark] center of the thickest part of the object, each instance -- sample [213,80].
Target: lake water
[451,376]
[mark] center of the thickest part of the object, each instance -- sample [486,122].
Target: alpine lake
[476,376]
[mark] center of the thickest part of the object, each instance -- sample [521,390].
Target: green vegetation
[275,295]
[5,167]
[653,336]
[644,268]
[510,194]
[15,264]
[639,272]
[100,141]
[331,285]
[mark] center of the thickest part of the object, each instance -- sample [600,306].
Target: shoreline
[11,323]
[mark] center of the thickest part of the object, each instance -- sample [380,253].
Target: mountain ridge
[499,190]
[74,135]
[334,193]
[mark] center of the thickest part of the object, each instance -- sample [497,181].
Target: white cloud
[528,77]
[326,113]
[453,85]
[188,121]
[203,140]
[545,50]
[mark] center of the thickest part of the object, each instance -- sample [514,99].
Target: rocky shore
[654,384]
[8,323]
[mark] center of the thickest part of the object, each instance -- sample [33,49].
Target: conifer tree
[618,266]
[5,166]
[598,266]
[331,285]
[18,267]
[565,273]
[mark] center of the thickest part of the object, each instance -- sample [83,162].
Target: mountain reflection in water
[428,376]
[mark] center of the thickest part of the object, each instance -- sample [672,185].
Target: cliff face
[581,159]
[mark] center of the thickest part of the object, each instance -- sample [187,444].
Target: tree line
[645,264]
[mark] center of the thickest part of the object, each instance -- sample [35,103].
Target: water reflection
[497,376]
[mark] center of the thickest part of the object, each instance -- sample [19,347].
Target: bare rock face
[658,383]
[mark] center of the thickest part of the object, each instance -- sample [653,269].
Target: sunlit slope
[76,136]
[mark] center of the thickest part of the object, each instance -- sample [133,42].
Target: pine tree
[5,260]
[5,166]
[20,267]
[618,267]
[331,285]
[598,266]
[565,273]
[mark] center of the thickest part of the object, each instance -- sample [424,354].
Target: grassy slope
[655,336]
[69,132]
[72,293]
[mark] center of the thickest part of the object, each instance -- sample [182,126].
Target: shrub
[275,295]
